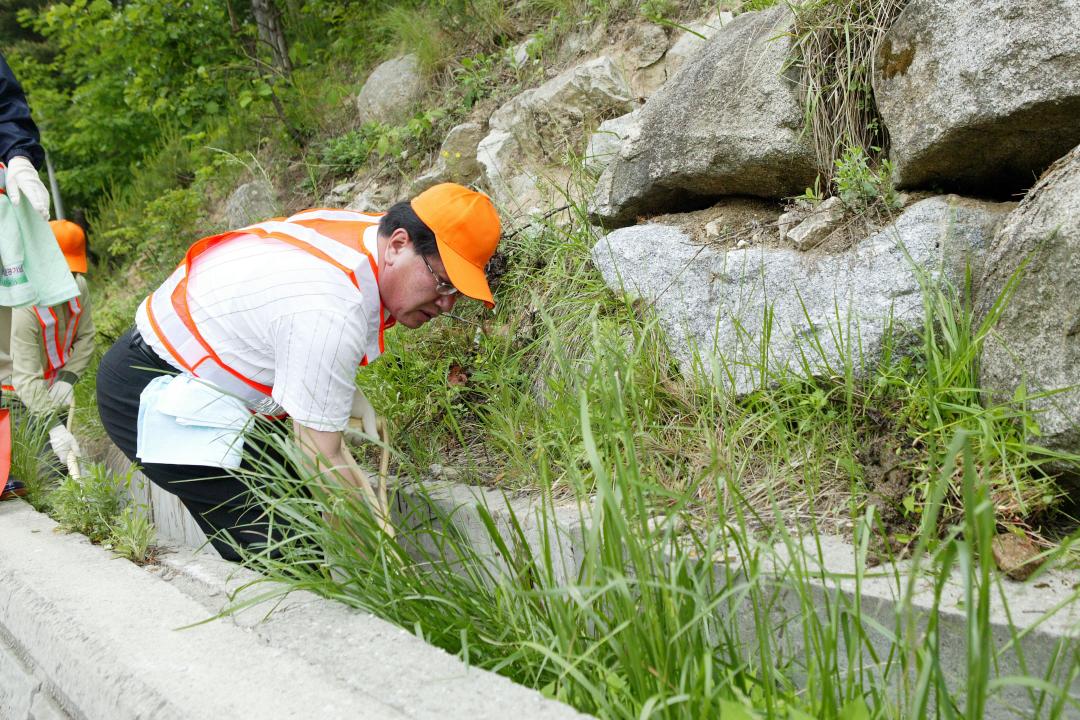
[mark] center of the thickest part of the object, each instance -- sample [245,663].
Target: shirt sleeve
[27,364]
[316,354]
[18,133]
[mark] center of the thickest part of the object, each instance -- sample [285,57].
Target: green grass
[94,504]
[648,626]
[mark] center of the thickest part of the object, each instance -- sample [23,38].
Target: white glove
[363,423]
[63,443]
[363,411]
[61,393]
[23,179]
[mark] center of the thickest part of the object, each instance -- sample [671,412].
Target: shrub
[89,504]
[859,185]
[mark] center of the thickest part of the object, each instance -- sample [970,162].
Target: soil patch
[889,473]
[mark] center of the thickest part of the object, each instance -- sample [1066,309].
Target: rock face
[456,161]
[648,65]
[542,123]
[728,123]
[391,90]
[250,203]
[1037,337]
[609,139]
[980,96]
[716,301]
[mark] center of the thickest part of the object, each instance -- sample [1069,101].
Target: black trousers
[219,502]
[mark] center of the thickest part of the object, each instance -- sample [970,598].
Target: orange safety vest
[333,236]
[57,349]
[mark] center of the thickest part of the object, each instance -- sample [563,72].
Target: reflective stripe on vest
[333,236]
[57,349]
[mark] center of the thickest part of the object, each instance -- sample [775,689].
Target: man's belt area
[139,345]
[267,408]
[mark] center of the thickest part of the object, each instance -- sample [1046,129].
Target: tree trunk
[268,22]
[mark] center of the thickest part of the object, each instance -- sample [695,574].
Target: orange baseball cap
[466,229]
[72,241]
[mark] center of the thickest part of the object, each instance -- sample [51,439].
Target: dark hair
[401,215]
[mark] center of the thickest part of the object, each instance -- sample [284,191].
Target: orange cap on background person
[72,241]
[466,229]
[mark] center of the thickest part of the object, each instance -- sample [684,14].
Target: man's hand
[328,446]
[23,179]
[363,422]
[62,393]
[63,443]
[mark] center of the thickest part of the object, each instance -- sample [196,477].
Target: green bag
[34,271]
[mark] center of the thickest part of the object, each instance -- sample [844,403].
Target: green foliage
[477,77]
[379,141]
[131,534]
[122,74]
[170,223]
[90,504]
[751,5]
[32,460]
[861,186]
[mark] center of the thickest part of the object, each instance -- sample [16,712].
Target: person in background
[50,348]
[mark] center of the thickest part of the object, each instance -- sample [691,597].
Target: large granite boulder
[980,96]
[251,203]
[716,302]
[1036,341]
[391,91]
[530,133]
[728,123]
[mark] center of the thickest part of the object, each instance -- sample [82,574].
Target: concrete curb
[85,635]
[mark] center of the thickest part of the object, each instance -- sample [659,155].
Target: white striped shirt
[281,317]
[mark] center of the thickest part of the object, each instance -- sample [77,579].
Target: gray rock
[818,224]
[250,203]
[391,91]
[530,132]
[715,302]
[373,198]
[553,112]
[646,79]
[605,144]
[980,96]
[341,193]
[728,123]
[694,39]
[507,173]
[790,219]
[1036,340]
[647,44]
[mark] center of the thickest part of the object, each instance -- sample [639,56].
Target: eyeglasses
[442,287]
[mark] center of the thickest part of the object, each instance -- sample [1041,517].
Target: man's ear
[396,245]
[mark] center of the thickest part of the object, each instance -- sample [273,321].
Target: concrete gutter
[85,635]
[1039,629]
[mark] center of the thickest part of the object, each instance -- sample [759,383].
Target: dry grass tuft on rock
[833,45]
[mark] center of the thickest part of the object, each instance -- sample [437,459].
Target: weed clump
[834,43]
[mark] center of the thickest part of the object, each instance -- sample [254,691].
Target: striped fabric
[279,314]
